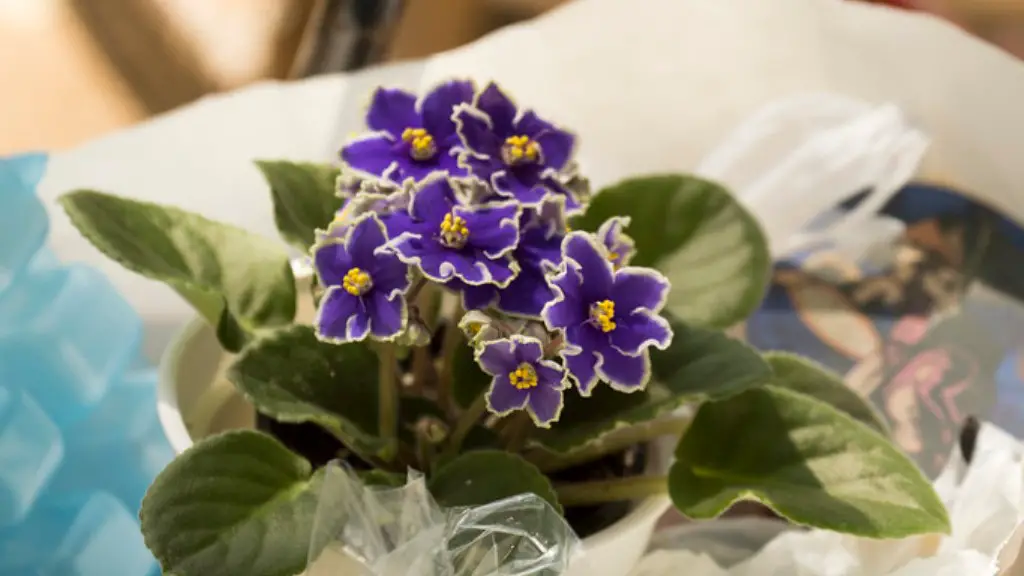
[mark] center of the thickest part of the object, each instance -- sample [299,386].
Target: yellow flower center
[524,377]
[454,233]
[519,150]
[602,314]
[357,282]
[613,256]
[475,327]
[421,143]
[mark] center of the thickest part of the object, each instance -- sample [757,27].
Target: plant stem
[465,423]
[452,338]
[617,490]
[517,431]
[614,442]
[387,383]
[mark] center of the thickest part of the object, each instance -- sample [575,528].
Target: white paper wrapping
[986,506]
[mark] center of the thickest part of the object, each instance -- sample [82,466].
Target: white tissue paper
[986,506]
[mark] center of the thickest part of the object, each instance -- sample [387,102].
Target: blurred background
[74,69]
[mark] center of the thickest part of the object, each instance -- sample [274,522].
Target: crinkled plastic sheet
[363,529]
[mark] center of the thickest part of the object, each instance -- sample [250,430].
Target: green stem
[615,442]
[517,431]
[617,490]
[452,339]
[387,382]
[464,424]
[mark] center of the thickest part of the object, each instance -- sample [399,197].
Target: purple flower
[538,254]
[522,379]
[365,285]
[516,151]
[620,247]
[411,139]
[608,317]
[389,203]
[448,240]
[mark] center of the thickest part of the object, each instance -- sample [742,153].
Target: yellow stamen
[520,150]
[474,328]
[454,233]
[524,377]
[357,282]
[613,256]
[602,314]
[421,143]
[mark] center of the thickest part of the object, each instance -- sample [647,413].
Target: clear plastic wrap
[362,529]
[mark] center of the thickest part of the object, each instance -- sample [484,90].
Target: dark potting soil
[319,447]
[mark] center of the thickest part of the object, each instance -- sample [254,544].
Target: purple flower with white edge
[609,318]
[538,254]
[515,150]
[523,379]
[449,240]
[365,285]
[411,138]
[620,247]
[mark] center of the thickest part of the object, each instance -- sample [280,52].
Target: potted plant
[484,319]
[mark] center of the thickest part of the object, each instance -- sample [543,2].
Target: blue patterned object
[79,437]
[90,536]
[31,449]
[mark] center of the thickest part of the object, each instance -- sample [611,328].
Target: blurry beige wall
[74,69]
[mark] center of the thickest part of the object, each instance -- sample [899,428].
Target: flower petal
[526,349]
[527,294]
[337,308]
[475,297]
[529,124]
[432,202]
[389,274]
[498,358]
[550,374]
[331,261]
[582,367]
[364,237]
[387,315]
[557,147]
[620,246]
[524,184]
[500,271]
[392,111]
[637,288]
[499,108]
[595,269]
[493,228]
[483,168]
[568,308]
[640,329]
[503,397]
[623,372]
[477,132]
[371,154]
[439,105]
[544,405]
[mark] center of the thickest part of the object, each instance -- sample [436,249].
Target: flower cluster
[463,189]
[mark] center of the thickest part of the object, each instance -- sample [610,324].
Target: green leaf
[700,364]
[807,377]
[304,198]
[807,461]
[293,377]
[238,281]
[237,503]
[710,248]
[484,476]
[468,380]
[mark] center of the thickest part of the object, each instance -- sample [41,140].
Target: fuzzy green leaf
[693,231]
[807,461]
[806,377]
[700,364]
[238,281]
[237,503]
[304,198]
[293,377]
[483,476]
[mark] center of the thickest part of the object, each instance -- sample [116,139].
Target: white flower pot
[195,400]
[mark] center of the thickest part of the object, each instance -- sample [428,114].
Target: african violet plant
[483,319]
